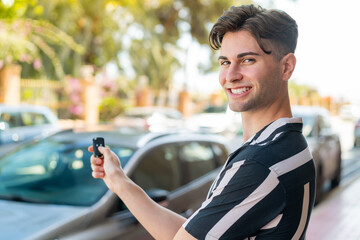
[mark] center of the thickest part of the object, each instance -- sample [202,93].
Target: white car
[216,119]
[154,119]
[21,123]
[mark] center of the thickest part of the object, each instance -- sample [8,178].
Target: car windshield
[53,172]
[308,123]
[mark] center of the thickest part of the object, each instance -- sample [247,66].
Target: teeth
[239,90]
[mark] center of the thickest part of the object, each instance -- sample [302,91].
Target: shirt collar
[268,130]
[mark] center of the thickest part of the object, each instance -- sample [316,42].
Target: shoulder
[281,146]
[244,177]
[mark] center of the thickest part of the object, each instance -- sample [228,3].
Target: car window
[198,159]
[159,169]
[324,121]
[33,119]
[13,119]
[309,122]
[221,154]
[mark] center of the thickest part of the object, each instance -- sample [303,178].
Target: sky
[327,52]
[328,45]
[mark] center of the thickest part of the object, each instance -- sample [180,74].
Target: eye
[248,60]
[224,63]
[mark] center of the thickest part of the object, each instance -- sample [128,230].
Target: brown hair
[274,26]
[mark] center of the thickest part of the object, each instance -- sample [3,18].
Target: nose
[233,73]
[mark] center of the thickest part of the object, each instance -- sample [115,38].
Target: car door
[34,124]
[200,166]
[12,133]
[185,170]
[329,149]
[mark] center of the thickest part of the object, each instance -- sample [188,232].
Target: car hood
[20,220]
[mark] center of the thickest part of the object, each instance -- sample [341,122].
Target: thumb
[104,150]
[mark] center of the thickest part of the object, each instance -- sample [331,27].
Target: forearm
[160,222]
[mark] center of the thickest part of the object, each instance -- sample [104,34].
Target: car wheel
[336,180]
[319,183]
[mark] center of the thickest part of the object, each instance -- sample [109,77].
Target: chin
[235,108]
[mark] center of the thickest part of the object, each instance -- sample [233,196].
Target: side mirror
[4,125]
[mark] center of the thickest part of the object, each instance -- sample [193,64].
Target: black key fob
[97,142]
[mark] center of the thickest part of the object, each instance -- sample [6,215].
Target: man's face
[252,79]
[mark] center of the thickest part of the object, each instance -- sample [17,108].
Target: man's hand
[107,168]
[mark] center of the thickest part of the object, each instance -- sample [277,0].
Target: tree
[154,36]
[24,40]
[93,24]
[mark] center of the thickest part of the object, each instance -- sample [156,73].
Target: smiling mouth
[240,90]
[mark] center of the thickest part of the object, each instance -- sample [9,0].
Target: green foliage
[110,107]
[154,50]
[24,40]
[17,9]
[299,90]
[93,26]
[148,31]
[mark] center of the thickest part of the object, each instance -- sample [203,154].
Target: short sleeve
[246,197]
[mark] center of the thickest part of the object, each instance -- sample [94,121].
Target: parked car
[151,118]
[47,191]
[324,144]
[216,119]
[24,122]
[349,112]
[357,134]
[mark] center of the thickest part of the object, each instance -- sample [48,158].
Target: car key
[97,142]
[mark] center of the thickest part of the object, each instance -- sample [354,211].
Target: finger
[97,168]
[106,151]
[102,149]
[90,149]
[96,161]
[98,174]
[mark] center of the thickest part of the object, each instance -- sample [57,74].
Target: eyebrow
[240,55]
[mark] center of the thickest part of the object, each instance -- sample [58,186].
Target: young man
[266,188]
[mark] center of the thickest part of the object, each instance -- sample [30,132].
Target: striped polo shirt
[265,190]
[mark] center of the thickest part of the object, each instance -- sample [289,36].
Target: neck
[254,120]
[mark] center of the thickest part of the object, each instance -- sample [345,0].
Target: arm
[160,222]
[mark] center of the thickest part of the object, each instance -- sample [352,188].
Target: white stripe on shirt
[225,180]
[304,213]
[274,126]
[239,210]
[292,163]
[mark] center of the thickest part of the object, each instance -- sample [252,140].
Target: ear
[288,62]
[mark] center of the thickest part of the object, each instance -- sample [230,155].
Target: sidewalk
[337,218]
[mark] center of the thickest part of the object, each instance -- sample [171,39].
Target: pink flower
[23,57]
[74,98]
[76,110]
[37,64]
[75,85]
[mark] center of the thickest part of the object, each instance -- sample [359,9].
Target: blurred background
[91,60]
[147,64]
